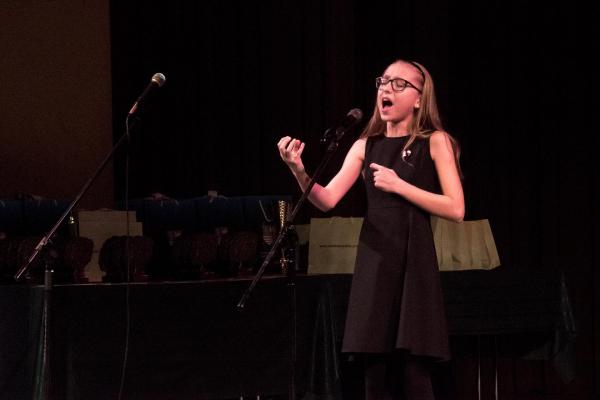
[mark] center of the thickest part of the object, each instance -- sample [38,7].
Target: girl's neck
[397,129]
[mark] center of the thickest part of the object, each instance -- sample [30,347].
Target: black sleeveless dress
[396,300]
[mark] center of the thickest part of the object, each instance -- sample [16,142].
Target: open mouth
[386,103]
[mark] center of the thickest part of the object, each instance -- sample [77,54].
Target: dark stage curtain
[238,78]
[511,82]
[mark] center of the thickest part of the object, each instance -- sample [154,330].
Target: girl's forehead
[399,69]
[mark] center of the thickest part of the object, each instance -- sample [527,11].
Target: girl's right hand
[290,151]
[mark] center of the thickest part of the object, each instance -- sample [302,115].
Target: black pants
[397,376]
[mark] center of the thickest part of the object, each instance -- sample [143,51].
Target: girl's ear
[418,102]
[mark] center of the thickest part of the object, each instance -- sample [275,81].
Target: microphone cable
[157,81]
[127,265]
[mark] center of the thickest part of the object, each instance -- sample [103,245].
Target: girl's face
[398,92]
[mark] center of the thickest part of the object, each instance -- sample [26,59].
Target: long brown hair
[425,119]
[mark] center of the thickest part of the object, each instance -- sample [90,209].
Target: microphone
[352,118]
[157,81]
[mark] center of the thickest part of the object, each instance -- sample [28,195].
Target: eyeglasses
[398,84]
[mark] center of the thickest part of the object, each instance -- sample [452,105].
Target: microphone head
[159,79]
[352,118]
[355,114]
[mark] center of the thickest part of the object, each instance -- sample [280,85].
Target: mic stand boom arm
[287,225]
[333,137]
[48,237]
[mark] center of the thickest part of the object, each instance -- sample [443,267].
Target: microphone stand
[43,388]
[285,230]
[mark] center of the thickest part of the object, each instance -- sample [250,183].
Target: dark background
[516,85]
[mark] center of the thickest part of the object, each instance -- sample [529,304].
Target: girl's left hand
[386,179]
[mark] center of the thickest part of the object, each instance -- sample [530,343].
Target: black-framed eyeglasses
[398,84]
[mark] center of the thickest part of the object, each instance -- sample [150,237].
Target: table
[188,341]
